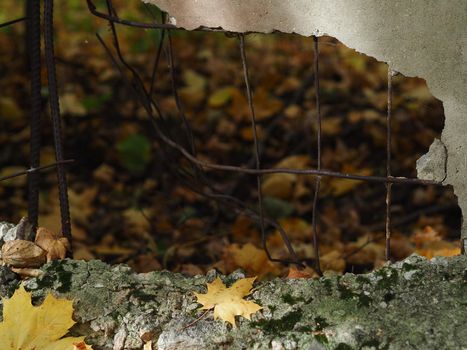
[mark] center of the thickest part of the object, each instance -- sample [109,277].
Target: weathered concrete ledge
[414,304]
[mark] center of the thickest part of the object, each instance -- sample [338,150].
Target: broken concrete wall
[418,38]
[413,304]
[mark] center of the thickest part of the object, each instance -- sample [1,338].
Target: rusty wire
[388,167]
[318,150]
[140,92]
[145,98]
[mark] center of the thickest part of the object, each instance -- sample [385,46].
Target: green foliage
[277,208]
[134,152]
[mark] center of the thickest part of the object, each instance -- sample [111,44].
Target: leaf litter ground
[132,201]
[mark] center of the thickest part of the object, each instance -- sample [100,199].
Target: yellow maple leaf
[229,302]
[28,327]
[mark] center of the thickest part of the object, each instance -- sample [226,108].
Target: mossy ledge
[413,304]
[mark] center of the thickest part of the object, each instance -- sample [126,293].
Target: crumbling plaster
[418,38]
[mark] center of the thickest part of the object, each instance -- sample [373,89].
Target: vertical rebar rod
[318,178]
[33,9]
[55,115]
[388,167]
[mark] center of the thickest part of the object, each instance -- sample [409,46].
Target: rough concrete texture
[418,38]
[432,165]
[413,304]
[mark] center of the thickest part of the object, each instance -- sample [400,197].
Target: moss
[388,297]
[343,346]
[142,296]
[56,272]
[65,281]
[321,338]
[345,293]
[327,283]
[291,300]
[409,267]
[284,324]
[362,280]
[364,300]
[272,308]
[373,343]
[388,278]
[321,323]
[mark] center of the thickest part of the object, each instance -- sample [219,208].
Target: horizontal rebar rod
[32,170]
[12,22]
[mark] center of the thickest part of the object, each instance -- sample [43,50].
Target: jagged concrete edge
[415,303]
[418,38]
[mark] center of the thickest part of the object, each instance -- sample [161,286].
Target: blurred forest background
[132,203]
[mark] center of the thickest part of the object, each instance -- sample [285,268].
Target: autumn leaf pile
[133,201]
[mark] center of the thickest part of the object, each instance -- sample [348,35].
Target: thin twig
[195,321]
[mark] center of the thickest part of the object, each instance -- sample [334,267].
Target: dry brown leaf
[251,259]
[333,261]
[282,185]
[54,244]
[364,252]
[20,253]
[279,185]
[422,238]
[295,273]
[25,272]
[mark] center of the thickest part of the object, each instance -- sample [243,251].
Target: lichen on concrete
[416,303]
[418,38]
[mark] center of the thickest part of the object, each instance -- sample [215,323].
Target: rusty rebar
[56,122]
[388,166]
[33,8]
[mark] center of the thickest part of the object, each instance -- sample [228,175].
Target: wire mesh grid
[144,95]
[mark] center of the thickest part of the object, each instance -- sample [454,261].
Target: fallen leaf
[333,261]
[71,104]
[25,272]
[229,302]
[20,253]
[221,97]
[295,273]
[341,186]
[54,244]
[279,185]
[28,327]
[425,237]
[251,259]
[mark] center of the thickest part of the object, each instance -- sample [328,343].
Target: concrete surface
[418,38]
[413,304]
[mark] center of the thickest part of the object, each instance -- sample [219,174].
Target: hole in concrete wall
[106,192]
